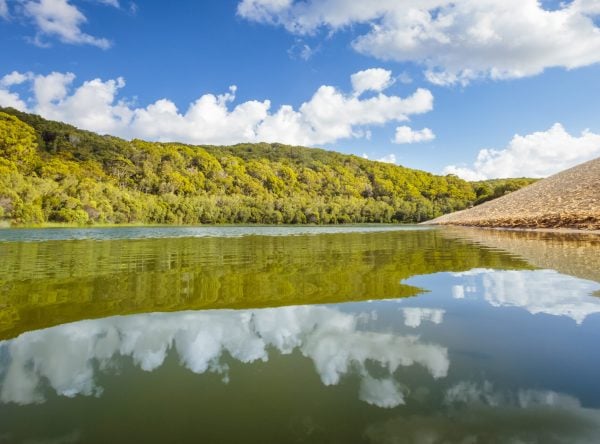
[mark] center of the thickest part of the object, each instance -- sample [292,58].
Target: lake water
[360,334]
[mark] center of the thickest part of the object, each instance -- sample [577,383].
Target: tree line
[54,172]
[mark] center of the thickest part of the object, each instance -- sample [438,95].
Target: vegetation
[491,189]
[53,172]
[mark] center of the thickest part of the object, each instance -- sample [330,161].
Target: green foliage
[491,189]
[17,142]
[53,172]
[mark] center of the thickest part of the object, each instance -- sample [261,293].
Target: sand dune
[569,199]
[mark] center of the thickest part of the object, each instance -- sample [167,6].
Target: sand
[569,199]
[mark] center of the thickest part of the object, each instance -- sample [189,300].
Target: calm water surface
[359,334]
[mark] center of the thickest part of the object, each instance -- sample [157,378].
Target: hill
[54,172]
[569,199]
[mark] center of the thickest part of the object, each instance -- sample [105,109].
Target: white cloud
[588,6]
[90,106]
[51,88]
[373,79]
[67,357]
[3,9]
[329,115]
[113,3]
[12,100]
[302,50]
[405,78]
[539,154]
[405,134]
[263,10]
[456,41]
[59,18]
[388,158]
[14,78]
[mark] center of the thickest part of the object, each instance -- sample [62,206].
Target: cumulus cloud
[455,41]
[61,19]
[373,79]
[14,78]
[539,154]
[329,115]
[11,99]
[67,357]
[537,291]
[405,134]
[8,98]
[90,106]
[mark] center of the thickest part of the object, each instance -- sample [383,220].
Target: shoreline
[143,225]
[559,230]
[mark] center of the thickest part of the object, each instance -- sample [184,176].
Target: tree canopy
[54,172]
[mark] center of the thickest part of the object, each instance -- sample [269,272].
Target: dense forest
[54,172]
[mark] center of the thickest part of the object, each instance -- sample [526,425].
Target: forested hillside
[53,172]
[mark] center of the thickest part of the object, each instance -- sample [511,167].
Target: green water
[264,334]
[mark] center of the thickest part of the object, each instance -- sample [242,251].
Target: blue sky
[457,77]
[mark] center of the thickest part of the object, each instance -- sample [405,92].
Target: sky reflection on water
[489,350]
[392,354]
[68,356]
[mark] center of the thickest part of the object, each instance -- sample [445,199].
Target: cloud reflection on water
[537,291]
[414,316]
[68,357]
[478,412]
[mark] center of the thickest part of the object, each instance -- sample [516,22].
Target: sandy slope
[570,199]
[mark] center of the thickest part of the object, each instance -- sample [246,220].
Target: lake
[349,334]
